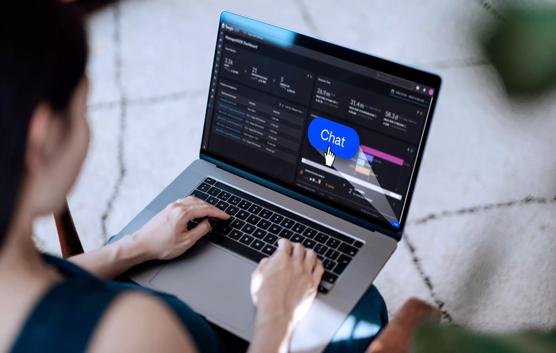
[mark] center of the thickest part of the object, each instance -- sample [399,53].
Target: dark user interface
[325,127]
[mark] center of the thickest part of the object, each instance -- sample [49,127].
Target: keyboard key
[242,214]
[215,221]
[237,223]
[343,238]
[246,239]
[224,195]
[322,289]
[219,225]
[253,219]
[204,187]
[309,243]
[276,218]
[348,249]
[275,229]
[224,230]
[213,236]
[298,228]
[265,213]
[332,254]
[320,249]
[333,243]
[221,205]
[287,223]
[343,261]
[329,264]
[243,204]
[259,233]
[297,238]
[235,234]
[286,233]
[232,210]
[329,277]
[264,224]
[255,209]
[212,200]
[210,180]
[200,195]
[271,239]
[310,233]
[248,228]
[214,191]
[358,244]
[269,249]
[321,237]
[257,244]
[192,224]
[234,200]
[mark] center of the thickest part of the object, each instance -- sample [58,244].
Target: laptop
[304,140]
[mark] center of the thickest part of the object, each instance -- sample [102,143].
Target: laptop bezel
[383,65]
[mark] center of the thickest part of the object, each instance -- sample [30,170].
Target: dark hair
[43,55]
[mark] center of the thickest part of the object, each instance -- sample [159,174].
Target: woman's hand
[283,287]
[166,236]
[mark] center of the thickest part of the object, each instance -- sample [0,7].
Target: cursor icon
[329,158]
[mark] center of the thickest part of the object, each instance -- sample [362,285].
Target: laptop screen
[331,124]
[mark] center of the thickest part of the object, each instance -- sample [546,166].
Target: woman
[52,305]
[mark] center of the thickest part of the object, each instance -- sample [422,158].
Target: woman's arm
[164,237]
[113,259]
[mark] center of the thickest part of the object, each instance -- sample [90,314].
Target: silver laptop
[303,140]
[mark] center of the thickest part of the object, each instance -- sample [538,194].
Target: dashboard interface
[342,133]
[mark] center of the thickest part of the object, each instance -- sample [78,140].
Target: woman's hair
[43,55]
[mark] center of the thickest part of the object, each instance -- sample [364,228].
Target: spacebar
[236,247]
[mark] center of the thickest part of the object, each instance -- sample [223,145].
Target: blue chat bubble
[343,140]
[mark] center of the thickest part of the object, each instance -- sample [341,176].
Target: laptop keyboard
[255,226]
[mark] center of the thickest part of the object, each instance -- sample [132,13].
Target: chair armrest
[70,244]
[396,337]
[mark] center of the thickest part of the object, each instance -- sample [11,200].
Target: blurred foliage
[449,339]
[522,48]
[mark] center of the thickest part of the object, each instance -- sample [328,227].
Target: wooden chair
[67,234]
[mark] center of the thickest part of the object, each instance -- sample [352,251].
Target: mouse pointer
[329,157]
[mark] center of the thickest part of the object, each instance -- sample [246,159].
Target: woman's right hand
[166,235]
[285,284]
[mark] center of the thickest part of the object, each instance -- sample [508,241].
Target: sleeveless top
[66,317]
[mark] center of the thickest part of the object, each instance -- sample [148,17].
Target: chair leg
[67,234]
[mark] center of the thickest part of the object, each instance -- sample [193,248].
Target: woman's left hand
[166,236]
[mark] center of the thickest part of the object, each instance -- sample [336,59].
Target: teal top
[66,317]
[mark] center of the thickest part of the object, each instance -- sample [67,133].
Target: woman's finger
[184,201]
[318,271]
[284,246]
[298,251]
[192,200]
[189,201]
[204,210]
[310,259]
[199,231]
[262,263]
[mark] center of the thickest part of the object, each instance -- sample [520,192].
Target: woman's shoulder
[121,317]
[140,322]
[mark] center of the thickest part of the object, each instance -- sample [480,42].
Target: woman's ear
[37,138]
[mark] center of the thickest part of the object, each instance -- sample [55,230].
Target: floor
[480,242]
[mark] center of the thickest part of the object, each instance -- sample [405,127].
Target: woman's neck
[18,255]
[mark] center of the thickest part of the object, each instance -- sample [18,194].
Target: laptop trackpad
[214,282]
